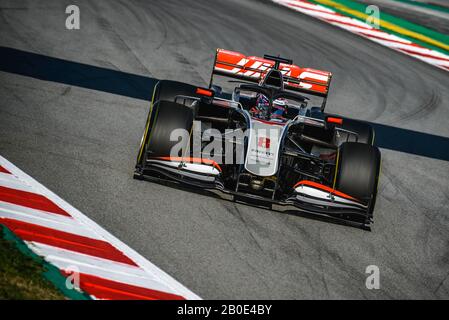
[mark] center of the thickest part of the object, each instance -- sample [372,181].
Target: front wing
[306,196]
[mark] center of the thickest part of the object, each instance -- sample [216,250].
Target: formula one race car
[264,144]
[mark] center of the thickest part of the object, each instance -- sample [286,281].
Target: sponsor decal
[264,142]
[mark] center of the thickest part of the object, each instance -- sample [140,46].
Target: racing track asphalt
[82,144]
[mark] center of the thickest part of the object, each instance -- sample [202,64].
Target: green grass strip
[393,25]
[23,273]
[427,5]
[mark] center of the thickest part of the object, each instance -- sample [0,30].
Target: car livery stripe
[66,238]
[192,160]
[393,41]
[273,123]
[324,188]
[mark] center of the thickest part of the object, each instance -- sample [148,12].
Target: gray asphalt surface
[82,144]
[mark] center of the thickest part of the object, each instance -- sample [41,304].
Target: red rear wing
[236,65]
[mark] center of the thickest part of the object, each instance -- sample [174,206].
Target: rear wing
[236,65]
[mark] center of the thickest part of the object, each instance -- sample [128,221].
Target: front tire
[169,116]
[164,90]
[358,170]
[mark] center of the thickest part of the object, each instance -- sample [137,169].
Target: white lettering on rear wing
[237,65]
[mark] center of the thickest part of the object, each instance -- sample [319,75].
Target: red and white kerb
[65,237]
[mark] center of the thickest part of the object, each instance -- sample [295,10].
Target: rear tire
[358,172]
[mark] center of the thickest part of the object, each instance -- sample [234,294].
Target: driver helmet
[279,105]
[262,102]
[262,106]
[279,109]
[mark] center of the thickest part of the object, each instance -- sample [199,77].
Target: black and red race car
[266,143]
